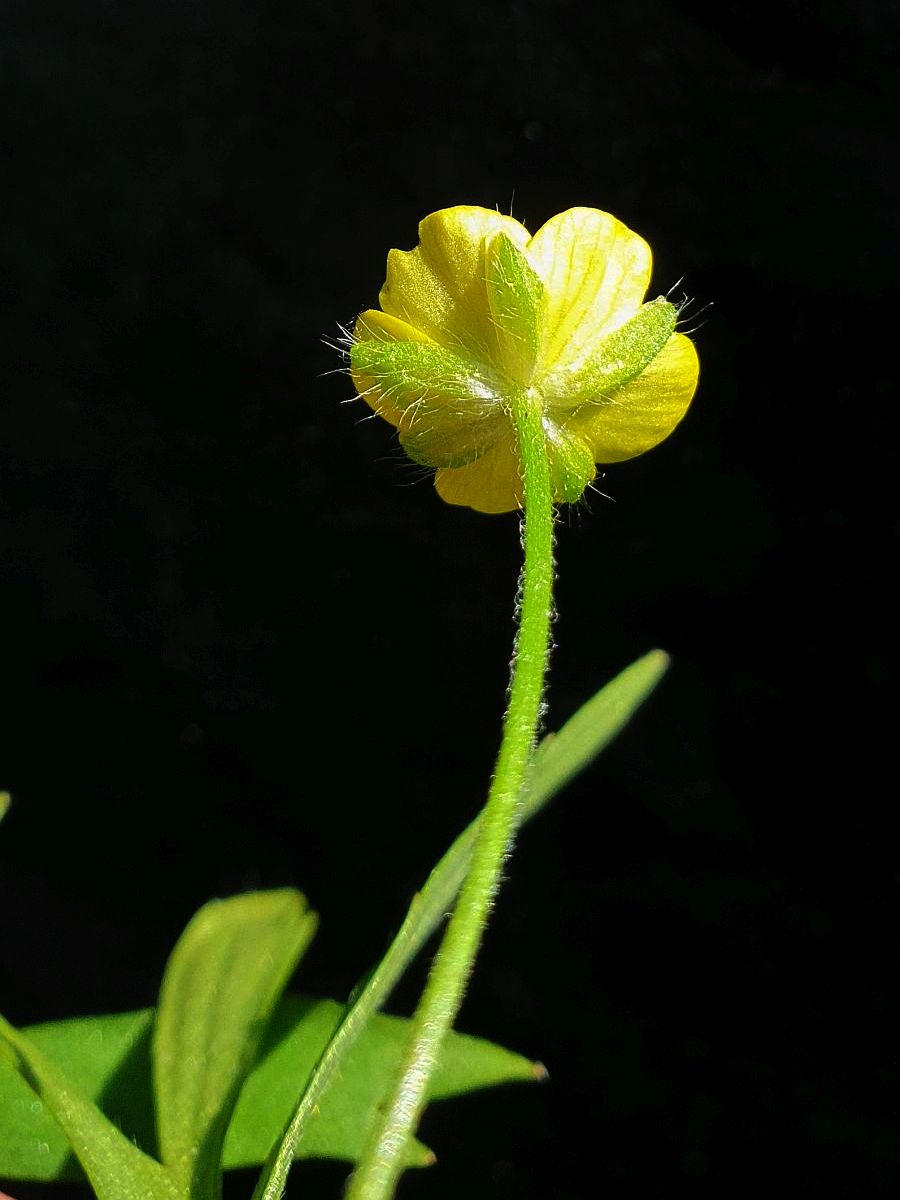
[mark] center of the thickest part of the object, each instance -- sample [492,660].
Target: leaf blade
[22,1130]
[611,707]
[116,1168]
[563,755]
[221,984]
[108,1059]
[342,1120]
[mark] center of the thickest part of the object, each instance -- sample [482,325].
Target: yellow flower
[482,315]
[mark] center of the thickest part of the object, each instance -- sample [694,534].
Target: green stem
[380,1166]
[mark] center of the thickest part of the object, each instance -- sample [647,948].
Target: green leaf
[344,1112]
[576,744]
[220,988]
[5,801]
[108,1059]
[116,1168]
[561,756]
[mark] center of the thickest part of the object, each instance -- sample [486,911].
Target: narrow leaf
[116,1168]
[561,756]
[220,987]
[579,741]
[5,801]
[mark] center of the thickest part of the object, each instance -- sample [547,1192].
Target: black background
[245,645]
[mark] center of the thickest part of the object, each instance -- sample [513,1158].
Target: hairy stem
[380,1166]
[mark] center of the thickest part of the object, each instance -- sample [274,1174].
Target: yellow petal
[479,316]
[439,288]
[375,326]
[637,416]
[595,272]
[493,483]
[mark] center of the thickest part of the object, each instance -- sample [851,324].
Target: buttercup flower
[481,316]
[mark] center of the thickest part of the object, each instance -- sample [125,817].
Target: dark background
[240,649]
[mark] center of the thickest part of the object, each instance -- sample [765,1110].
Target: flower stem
[382,1162]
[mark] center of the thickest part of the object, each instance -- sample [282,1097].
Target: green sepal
[570,462]
[446,406]
[517,301]
[616,360]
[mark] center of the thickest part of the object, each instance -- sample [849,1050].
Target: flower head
[481,314]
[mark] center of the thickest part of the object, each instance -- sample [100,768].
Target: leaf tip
[659,659]
[539,1072]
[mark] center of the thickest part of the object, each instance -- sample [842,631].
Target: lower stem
[382,1162]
